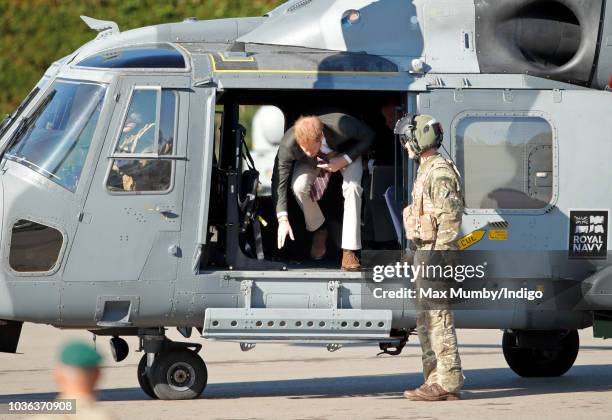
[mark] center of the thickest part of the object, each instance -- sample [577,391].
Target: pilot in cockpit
[136,137]
[133,132]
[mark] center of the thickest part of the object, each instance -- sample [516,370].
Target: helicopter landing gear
[171,370]
[179,374]
[119,348]
[533,354]
[143,377]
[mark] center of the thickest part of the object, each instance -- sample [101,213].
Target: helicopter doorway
[233,231]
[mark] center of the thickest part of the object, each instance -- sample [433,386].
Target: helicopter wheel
[143,378]
[541,362]
[178,374]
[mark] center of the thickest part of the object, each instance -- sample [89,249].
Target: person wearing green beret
[76,376]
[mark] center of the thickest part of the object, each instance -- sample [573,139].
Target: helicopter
[130,200]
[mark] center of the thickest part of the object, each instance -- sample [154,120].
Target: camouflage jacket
[440,189]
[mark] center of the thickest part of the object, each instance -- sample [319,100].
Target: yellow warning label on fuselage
[470,239]
[498,235]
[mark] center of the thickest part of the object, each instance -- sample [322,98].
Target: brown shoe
[435,392]
[350,261]
[319,244]
[411,394]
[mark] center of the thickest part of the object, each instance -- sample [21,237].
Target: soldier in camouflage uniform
[432,223]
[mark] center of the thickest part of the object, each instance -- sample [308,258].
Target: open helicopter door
[206,176]
[130,227]
[529,159]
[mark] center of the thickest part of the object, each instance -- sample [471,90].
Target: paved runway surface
[277,381]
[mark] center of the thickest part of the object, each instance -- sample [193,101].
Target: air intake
[547,34]
[557,39]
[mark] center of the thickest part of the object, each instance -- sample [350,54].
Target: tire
[143,378]
[539,363]
[178,375]
[119,348]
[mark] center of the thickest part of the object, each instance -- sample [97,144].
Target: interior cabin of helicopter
[242,223]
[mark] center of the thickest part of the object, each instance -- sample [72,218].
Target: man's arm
[448,207]
[361,136]
[285,166]
[284,174]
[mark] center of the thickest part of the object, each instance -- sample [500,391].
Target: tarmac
[285,381]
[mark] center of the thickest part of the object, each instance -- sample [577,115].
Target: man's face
[312,150]
[76,381]
[132,122]
[388,112]
[411,153]
[129,126]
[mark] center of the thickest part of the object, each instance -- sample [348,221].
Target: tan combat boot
[411,394]
[435,392]
[350,261]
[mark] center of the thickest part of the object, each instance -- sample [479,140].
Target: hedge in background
[35,33]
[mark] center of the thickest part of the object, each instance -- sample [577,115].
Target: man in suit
[320,146]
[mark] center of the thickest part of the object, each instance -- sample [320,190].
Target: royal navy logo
[588,236]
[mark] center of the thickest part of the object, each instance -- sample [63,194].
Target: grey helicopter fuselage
[125,260]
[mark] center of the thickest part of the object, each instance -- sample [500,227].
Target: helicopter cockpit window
[55,138]
[141,57]
[506,162]
[34,247]
[147,136]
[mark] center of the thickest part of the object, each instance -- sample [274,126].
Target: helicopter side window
[34,247]
[507,162]
[146,137]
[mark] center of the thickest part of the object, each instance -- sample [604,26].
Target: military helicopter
[130,203]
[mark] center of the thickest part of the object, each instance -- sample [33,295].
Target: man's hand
[128,183]
[284,229]
[334,164]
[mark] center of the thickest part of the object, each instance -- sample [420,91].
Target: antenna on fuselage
[105,27]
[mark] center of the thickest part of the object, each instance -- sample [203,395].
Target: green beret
[80,355]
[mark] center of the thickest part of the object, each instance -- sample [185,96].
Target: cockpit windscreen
[55,138]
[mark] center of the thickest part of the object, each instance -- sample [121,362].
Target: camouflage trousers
[436,324]
[441,362]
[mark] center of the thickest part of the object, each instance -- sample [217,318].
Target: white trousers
[304,176]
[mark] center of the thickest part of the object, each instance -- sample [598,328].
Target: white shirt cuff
[348,159]
[281,213]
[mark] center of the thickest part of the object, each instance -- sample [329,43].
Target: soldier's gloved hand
[284,229]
